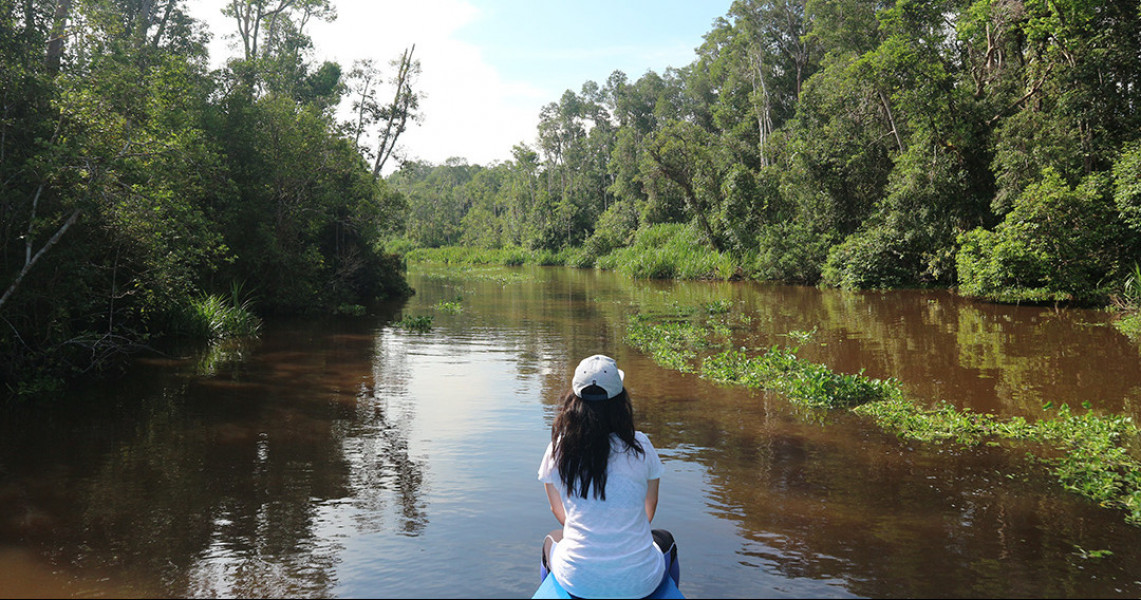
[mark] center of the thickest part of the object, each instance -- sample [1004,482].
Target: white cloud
[469,110]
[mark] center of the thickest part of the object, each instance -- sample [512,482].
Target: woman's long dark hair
[581,435]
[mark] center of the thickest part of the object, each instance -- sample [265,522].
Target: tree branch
[31,261]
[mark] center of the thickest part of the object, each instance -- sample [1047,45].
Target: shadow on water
[354,458]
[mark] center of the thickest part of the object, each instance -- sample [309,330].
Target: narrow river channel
[354,458]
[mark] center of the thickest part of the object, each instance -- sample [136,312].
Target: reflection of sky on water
[468,419]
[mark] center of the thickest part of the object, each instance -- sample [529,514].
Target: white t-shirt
[607,549]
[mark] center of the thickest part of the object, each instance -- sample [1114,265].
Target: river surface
[355,458]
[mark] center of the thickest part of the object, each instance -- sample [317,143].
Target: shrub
[1127,185]
[872,258]
[615,229]
[791,252]
[1057,244]
[398,245]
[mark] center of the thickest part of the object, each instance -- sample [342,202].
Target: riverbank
[677,251]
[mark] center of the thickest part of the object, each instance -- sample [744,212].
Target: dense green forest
[145,195]
[989,145]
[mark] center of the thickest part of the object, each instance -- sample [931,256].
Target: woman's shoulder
[642,438]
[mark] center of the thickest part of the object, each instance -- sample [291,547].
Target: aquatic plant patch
[1089,454]
[672,344]
[421,323]
[453,306]
[807,383]
[1094,456]
[1130,325]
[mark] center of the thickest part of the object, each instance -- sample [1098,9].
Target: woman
[602,478]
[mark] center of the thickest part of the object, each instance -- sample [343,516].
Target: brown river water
[352,458]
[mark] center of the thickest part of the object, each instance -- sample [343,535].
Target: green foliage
[1128,303]
[1130,295]
[212,317]
[351,310]
[872,258]
[1026,144]
[1089,454]
[1093,554]
[454,306]
[318,248]
[615,229]
[135,184]
[1094,459]
[670,251]
[850,144]
[679,340]
[460,255]
[581,258]
[397,245]
[804,382]
[1127,185]
[790,251]
[1130,325]
[943,422]
[1057,244]
[418,323]
[672,344]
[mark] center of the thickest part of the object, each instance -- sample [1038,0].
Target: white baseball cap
[598,370]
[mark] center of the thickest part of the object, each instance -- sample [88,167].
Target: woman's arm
[652,498]
[556,503]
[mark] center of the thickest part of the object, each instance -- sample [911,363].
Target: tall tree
[394,117]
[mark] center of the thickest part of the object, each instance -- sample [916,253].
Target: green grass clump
[420,323]
[512,256]
[670,251]
[212,317]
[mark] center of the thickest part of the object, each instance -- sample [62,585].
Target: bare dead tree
[403,109]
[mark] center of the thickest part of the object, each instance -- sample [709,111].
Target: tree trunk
[398,114]
[763,109]
[59,32]
[891,119]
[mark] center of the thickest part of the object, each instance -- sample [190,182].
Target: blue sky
[490,65]
[560,45]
